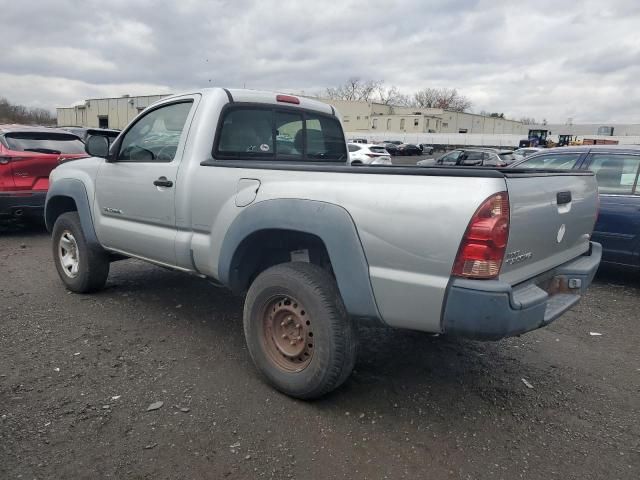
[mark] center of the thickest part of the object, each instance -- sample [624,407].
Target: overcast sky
[550,59]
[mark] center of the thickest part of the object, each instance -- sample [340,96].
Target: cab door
[618,225]
[135,189]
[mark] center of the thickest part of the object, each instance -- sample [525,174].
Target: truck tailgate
[552,217]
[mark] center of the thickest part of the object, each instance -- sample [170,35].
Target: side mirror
[97,146]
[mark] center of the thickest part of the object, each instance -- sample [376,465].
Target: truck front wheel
[297,330]
[81,267]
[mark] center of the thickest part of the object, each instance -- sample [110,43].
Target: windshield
[554,161]
[44,142]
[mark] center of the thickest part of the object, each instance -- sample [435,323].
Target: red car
[27,156]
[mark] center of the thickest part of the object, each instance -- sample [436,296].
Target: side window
[472,159]
[616,174]
[554,161]
[155,137]
[354,148]
[450,158]
[491,160]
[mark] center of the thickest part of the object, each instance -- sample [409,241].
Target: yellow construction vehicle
[568,140]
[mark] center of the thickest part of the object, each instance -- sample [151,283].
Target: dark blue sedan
[616,169]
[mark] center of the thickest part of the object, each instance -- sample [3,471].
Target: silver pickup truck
[252,190]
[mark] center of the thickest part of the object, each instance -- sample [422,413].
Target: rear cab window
[44,142]
[279,133]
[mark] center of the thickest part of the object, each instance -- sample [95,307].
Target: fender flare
[331,223]
[75,190]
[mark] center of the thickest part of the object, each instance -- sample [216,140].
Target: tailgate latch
[563,198]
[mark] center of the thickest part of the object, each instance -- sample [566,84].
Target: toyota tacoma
[253,191]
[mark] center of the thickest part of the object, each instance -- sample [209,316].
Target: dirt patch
[78,375]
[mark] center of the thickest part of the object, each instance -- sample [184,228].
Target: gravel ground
[78,373]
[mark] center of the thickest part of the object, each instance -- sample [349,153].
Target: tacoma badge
[517,256]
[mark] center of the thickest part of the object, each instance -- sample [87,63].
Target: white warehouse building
[117,112]
[114,112]
[376,117]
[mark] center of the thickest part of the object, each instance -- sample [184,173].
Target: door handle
[163,182]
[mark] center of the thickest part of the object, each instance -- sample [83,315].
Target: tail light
[373,155]
[485,241]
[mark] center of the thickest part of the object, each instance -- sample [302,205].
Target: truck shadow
[14,228]
[395,368]
[618,276]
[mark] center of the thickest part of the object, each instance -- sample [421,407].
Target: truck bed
[438,171]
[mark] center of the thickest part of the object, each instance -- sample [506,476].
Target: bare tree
[445,98]
[10,113]
[528,121]
[392,96]
[355,89]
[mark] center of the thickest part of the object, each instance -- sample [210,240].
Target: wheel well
[56,206]
[266,248]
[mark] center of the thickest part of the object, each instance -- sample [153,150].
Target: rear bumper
[490,310]
[15,204]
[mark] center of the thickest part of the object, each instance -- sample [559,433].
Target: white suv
[361,154]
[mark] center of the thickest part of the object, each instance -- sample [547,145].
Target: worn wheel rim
[68,254]
[287,333]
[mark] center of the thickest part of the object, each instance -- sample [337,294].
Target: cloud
[41,58]
[542,58]
[37,90]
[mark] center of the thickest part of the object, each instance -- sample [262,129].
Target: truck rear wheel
[81,267]
[297,330]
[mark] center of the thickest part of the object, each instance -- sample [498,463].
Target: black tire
[334,336]
[92,262]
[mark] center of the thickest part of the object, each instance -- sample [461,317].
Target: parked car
[86,133]
[521,153]
[616,169]
[395,142]
[360,154]
[391,148]
[409,149]
[426,148]
[315,244]
[27,156]
[359,140]
[473,157]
